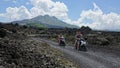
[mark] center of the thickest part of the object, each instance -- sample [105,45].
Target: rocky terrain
[19,51]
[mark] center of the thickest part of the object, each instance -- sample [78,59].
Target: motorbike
[62,42]
[82,45]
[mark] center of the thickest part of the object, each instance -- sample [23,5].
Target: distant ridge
[46,21]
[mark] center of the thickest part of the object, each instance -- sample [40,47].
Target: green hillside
[37,25]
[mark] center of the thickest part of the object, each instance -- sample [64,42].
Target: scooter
[62,42]
[82,45]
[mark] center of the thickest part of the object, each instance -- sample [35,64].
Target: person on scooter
[77,39]
[61,40]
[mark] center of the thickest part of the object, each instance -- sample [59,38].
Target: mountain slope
[47,21]
[37,25]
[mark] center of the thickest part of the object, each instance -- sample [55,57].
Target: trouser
[77,43]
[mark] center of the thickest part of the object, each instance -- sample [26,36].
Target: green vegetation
[37,25]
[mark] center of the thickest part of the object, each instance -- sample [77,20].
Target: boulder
[102,41]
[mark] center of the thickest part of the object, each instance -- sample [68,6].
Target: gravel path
[89,59]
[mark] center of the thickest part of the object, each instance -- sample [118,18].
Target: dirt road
[89,59]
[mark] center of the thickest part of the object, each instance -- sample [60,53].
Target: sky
[97,14]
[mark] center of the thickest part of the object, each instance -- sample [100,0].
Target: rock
[2,67]
[102,41]
[19,51]
[85,29]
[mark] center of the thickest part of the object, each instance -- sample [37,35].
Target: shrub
[16,24]
[103,41]
[14,30]
[2,33]
[24,26]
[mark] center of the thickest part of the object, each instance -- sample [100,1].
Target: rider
[61,38]
[78,36]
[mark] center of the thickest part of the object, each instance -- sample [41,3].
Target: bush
[16,24]
[1,26]
[103,41]
[2,33]
[24,26]
[14,30]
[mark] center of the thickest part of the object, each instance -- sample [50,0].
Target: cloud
[15,13]
[96,19]
[43,7]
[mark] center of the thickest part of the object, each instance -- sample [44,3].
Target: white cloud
[98,20]
[15,13]
[43,7]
